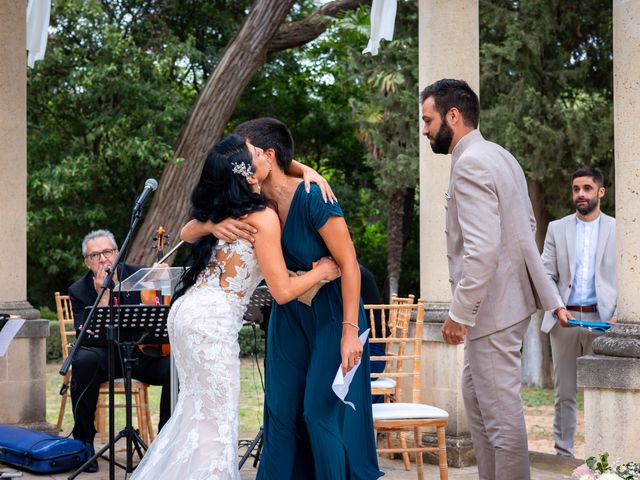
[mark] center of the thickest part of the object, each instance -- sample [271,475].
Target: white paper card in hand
[341,382]
[8,332]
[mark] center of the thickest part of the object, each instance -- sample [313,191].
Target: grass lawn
[537,396]
[538,406]
[539,412]
[251,399]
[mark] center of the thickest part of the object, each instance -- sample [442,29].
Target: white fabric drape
[383,17]
[37,29]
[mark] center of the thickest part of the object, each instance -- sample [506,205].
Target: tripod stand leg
[256,457]
[256,441]
[138,444]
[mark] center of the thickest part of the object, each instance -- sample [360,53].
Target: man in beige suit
[496,273]
[580,257]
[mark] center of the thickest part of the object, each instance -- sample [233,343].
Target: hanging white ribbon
[383,18]
[38,12]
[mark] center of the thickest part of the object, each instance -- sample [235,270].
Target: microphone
[149,186]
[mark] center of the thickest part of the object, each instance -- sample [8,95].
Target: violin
[155,297]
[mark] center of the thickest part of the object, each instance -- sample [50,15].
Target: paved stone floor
[543,467]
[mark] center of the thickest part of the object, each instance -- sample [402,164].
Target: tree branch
[295,34]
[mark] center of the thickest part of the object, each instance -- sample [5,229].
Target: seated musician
[90,366]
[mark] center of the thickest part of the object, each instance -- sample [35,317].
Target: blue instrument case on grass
[40,452]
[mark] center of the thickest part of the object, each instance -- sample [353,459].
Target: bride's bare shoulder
[263,218]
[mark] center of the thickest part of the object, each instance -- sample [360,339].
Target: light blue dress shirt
[583,287]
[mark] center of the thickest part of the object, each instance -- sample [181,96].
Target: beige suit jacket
[495,268]
[559,258]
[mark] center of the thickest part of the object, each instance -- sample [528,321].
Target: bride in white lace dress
[200,440]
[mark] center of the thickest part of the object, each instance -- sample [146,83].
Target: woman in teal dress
[309,433]
[307,428]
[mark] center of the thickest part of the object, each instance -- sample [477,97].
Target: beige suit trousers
[491,382]
[567,344]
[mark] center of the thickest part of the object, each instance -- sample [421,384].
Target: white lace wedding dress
[200,440]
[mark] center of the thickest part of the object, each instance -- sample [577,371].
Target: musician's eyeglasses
[108,253]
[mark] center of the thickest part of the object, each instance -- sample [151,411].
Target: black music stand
[134,324]
[260,301]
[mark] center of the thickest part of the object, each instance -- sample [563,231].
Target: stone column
[448,48]
[22,369]
[611,377]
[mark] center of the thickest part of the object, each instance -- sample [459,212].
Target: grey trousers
[567,344]
[491,382]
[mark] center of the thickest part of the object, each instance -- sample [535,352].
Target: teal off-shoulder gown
[308,432]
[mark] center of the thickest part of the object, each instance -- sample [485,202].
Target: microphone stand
[136,216]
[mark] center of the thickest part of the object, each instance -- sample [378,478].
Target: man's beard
[586,209]
[443,138]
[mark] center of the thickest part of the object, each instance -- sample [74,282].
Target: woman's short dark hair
[267,132]
[220,193]
[448,93]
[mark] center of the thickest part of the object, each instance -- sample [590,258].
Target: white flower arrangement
[600,469]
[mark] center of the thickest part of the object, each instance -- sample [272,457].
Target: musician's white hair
[97,234]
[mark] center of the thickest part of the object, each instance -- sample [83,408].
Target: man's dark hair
[588,171]
[267,132]
[448,93]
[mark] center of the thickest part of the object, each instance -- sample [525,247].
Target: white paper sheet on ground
[383,19]
[341,382]
[7,333]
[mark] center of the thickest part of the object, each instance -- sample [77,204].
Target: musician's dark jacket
[90,364]
[82,293]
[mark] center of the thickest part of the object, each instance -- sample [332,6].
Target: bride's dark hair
[220,193]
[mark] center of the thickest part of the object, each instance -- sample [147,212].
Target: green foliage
[47,313]
[108,102]
[54,343]
[103,113]
[252,342]
[104,110]
[546,89]
[600,467]
[600,464]
[382,94]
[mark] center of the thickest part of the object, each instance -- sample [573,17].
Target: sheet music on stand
[136,323]
[260,298]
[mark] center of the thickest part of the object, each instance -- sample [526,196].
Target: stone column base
[441,377]
[23,375]
[611,382]
[460,451]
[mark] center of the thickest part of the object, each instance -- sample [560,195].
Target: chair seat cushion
[398,411]
[383,382]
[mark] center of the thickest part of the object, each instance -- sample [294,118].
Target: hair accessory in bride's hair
[241,168]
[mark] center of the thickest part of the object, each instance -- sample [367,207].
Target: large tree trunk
[215,104]
[536,352]
[244,55]
[395,239]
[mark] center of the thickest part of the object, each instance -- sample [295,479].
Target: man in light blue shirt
[580,257]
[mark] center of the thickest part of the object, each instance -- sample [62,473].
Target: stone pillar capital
[621,340]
